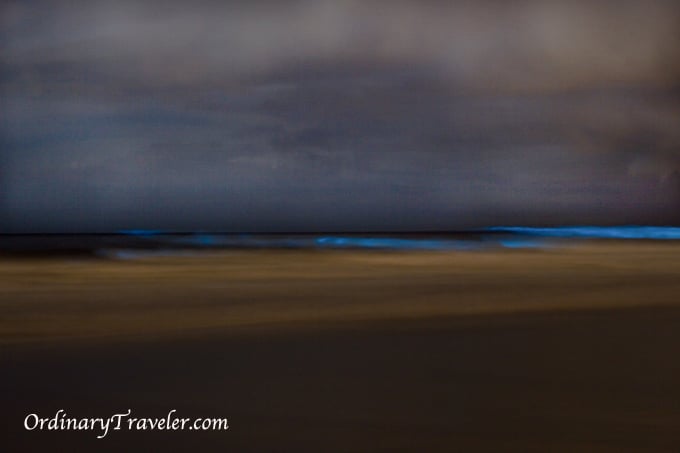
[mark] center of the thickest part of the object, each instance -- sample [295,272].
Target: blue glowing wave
[158,243]
[393,243]
[595,232]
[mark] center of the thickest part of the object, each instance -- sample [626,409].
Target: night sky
[338,115]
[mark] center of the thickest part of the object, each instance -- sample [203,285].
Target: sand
[568,349]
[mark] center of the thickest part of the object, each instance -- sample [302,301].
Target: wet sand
[571,349]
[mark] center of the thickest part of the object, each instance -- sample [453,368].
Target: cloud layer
[338,114]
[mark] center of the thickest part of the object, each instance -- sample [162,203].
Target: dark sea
[132,244]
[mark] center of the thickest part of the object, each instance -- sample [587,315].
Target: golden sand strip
[68,298]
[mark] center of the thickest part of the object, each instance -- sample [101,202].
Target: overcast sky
[282,115]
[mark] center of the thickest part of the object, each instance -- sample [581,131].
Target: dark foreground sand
[561,350]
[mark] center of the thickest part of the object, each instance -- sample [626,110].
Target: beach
[561,349]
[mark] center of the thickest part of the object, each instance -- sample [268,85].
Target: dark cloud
[338,114]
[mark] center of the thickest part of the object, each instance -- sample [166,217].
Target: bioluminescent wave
[394,243]
[192,244]
[595,232]
[134,244]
